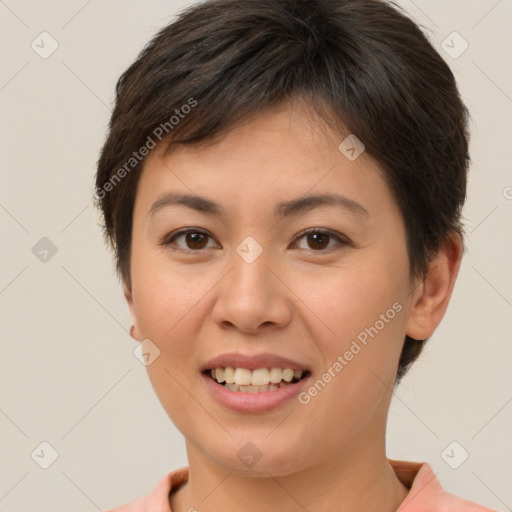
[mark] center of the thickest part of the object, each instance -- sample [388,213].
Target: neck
[356,478]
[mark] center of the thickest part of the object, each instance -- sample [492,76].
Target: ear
[128,295]
[432,294]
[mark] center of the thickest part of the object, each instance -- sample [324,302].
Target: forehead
[280,153]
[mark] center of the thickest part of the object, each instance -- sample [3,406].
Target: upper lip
[252,362]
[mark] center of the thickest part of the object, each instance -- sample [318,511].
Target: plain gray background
[68,374]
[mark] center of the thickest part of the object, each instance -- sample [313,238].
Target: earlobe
[432,295]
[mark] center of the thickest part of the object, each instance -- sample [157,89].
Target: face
[325,285]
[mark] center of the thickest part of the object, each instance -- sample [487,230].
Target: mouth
[260,380]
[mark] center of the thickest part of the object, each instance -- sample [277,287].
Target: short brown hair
[361,64]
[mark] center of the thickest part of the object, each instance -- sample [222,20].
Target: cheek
[359,351]
[167,302]
[359,314]
[352,297]
[163,294]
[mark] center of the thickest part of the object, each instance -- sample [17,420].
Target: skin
[301,298]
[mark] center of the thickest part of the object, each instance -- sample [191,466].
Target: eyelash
[168,240]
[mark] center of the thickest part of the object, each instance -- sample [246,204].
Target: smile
[260,380]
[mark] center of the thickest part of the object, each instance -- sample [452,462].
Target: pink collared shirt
[425,494]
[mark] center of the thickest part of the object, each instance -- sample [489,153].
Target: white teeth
[260,377]
[288,375]
[276,375]
[243,377]
[255,389]
[229,375]
[251,381]
[219,375]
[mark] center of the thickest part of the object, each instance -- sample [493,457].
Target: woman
[282,185]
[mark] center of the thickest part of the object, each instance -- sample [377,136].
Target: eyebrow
[283,209]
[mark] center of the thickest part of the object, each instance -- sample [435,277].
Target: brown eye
[195,240]
[319,240]
[190,240]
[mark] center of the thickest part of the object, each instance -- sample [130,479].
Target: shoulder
[426,493]
[157,500]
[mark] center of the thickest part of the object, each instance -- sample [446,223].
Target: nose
[253,297]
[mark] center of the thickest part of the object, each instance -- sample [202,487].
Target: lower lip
[253,402]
